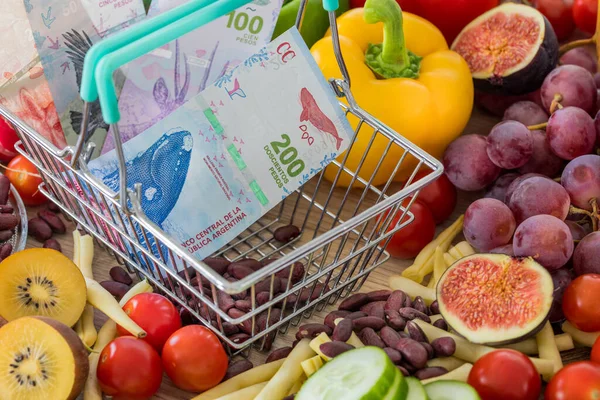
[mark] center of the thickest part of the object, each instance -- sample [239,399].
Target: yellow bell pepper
[420,89]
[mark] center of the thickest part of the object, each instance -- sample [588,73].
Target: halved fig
[510,49]
[494,298]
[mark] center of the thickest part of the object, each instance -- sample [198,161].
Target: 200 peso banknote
[230,154]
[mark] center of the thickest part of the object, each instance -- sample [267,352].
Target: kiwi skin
[82,365]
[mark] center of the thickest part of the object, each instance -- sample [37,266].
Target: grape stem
[555,105]
[537,127]
[575,44]
[594,215]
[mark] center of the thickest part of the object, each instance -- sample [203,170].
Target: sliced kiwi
[41,359]
[41,282]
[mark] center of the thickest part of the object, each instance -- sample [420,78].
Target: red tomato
[439,196]
[560,15]
[585,13]
[410,240]
[595,356]
[8,138]
[194,359]
[580,302]
[577,381]
[25,177]
[505,375]
[129,369]
[156,315]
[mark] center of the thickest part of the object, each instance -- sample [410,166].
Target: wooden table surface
[480,123]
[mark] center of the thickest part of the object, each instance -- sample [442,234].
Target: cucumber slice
[416,391]
[451,390]
[366,373]
[399,390]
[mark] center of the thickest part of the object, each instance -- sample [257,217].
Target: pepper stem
[390,59]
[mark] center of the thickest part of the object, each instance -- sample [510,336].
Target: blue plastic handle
[110,62]
[331,5]
[89,90]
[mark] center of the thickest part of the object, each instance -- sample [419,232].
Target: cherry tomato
[559,14]
[580,302]
[129,369]
[410,240]
[505,375]
[577,381]
[8,138]
[595,356]
[439,196]
[194,359]
[585,13]
[25,177]
[156,315]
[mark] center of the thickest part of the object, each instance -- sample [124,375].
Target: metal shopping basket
[344,231]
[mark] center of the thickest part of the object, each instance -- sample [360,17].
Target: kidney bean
[57,225]
[229,329]
[407,301]
[38,228]
[238,338]
[265,285]
[407,366]
[6,209]
[430,351]
[225,301]
[5,235]
[53,207]
[354,302]
[434,308]
[290,301]
[312,330]
[251,263]
[379,295]
[391,314]
[430,372]
[374,309]
[286,234]
[416,332]
[295,342]
[278,354]
[444,346]
[297,273]
[118,274]
[239,271]
[370,338]
[290,397]
[245,326]
[389,336]
[403,334]
[115,288]
[440,323]
[10,221]
[411,313]
[413,352]
[219,264]
[403,370]
[395,301]
[4,189]
[356,315]
[186,317]
[335,348]
[243,305]
[5,250]
[419,305]
[398,323]
[393,354]
[191,273]
[52,244]
[306,292]
[368,322]
[343,330]
[332,316]
[236,368]
[274,317]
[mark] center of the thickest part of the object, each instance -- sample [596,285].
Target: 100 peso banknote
[230,154]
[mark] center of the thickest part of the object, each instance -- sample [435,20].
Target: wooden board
[378,279]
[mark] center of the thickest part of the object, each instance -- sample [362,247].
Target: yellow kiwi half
[41,282]
[41,359]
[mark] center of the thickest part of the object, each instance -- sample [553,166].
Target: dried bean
[186,317]
[374,309]
[356,315]
[430,372]
[393,354]
[5,250]
[440,323]
[4,189]
[38,228]
[354,302]
[430,351]
[368,322]
[10,221]
[379,295]
[286,234]
[115,288]
[295,342]
[312,330]
[403,334]
[434,308]
[225,301]
[243,305]
[297,273]
[236,368]
[335,348]
[403,370]
[239,271]
[370,338]
[191,273]
[229,329]
[278,354]
[57,225]
[290,301]
[416,332]
[408,366]
[391,314]
[274,317]
[389,336]
[419,305]
[413,352]
[251,263]
[118,274]
[411,313]
[219,264]
[332,316]
[209,314]
[6,209]
[407,301]
[306,292]
[343,330]
[245,326]
[265,285]
[5,235]
[52,244]
[395,301]
[238,338]
[53,207]
[444,346]
[398,323]
[290,397]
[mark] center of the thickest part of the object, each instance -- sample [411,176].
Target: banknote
[63,31]
[231,153]
[160,82]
